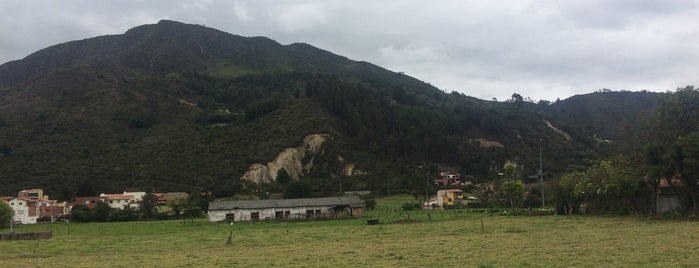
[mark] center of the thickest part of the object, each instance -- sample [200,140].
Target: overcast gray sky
[487,49]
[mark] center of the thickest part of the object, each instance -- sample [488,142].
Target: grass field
[450,239]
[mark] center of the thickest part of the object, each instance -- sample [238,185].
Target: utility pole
[541,177]
[427,186]
[427,181]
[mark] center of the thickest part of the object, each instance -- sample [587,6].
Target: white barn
[286,209]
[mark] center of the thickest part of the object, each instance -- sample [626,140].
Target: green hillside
[176,107]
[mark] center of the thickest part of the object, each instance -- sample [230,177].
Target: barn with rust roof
[286,209]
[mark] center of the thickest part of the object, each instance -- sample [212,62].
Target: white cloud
[241,11]
[301,17]
[541,49]
[411,54]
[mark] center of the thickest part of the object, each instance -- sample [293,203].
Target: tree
[298,189]
[148,204]
[565,191]
[512,191]
[516,98]
[125,214]
[689,169]
[192,211]
[5,150]
[511,171]
[283,177]
[81,213]
[619,184]
[6,214]
[200,200]
[101,212]
[673,152]
[177,205]
[369,203]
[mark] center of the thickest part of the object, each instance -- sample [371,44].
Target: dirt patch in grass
[401,221]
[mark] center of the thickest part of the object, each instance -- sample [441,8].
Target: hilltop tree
[516,98]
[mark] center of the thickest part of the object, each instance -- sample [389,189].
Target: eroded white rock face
[290,159]
[484,143]
[351,170]
[559,131]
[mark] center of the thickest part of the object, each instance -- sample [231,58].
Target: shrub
[5,215]
[369,204]
[410,206]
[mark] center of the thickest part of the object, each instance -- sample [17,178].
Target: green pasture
[450,239]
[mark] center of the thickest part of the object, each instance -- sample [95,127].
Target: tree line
[664,154]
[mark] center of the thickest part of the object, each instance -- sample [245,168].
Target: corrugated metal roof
[348,200]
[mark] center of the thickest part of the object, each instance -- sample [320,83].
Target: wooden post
[230,237]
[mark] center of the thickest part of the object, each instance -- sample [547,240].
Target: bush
[192,211]
[81,214]
[5,215]
[369,204]
[410,206]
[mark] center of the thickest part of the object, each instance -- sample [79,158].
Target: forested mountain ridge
[173,106]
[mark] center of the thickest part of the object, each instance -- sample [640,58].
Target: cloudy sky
[487,49]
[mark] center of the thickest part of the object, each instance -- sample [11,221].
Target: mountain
[177,107]
[607,114]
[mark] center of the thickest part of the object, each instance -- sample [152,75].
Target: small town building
[136,198]
[52,210]
[444,199]
[286,209]
[31,205]
[26,210]
[87,201]
[163,198]
[116,201]
[32,194]
[666,199]
[449,197]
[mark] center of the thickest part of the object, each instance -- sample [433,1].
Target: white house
[136,198]
[26,210]
[117,201]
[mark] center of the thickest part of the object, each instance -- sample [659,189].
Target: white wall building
[116,201]
[26,211]
[286,209]
[136,198]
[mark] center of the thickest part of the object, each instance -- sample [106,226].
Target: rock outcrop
[557,130]
[291,159]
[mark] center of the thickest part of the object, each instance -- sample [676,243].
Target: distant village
[32,205]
